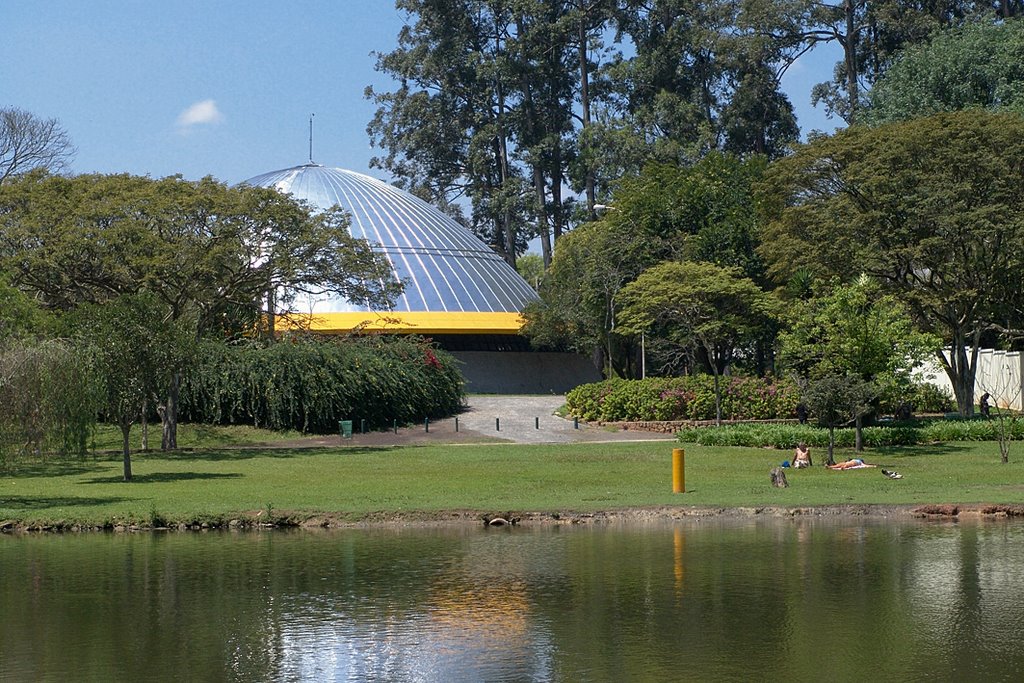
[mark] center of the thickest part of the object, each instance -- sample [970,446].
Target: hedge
[898,434]
[310,384]
[682,398]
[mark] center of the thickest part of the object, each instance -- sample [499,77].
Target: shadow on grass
[227,454]
[923,449]
[50,468]
[220,436]
[163,477]
[42,503]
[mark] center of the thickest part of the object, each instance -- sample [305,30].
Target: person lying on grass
[854,464]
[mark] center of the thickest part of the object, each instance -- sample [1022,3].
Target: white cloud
[198,114]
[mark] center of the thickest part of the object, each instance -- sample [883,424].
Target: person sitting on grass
[801,456]
[854,464]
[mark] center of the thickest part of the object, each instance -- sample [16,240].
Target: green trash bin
[345,428]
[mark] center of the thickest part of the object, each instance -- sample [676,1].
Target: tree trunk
[536,162]
[858,433]
[126,451]
[961,371]
[169,416]
[557,213]
[145,426]
[271,317]
[585,106]
[778,476]
[831,445]
[718,398]
[503,165]
[850,55]
[542,217]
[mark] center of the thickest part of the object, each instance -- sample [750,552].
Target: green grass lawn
[218,484]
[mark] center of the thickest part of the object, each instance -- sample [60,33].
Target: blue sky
[222,87]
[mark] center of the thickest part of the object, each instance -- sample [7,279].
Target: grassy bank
[216,485]
[108,438]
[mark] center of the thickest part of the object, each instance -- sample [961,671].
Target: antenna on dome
[311,137]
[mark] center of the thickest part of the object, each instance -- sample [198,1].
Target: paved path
[501,418]
[531,419]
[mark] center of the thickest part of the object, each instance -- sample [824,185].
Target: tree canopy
[975,65]
[200,247]
[930,208]
[704,212]
[224,258]
[509,104]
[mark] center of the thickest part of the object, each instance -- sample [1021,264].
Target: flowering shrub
[430,358]
[682,398]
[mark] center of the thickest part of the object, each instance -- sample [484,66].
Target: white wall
[1000,373]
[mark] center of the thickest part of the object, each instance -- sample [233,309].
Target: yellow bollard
[678,470]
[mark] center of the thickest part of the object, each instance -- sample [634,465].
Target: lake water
[702,600]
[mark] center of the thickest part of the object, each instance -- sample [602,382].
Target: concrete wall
[1000,373]
[524,372]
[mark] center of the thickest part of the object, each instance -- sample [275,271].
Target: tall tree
[446,130]
[693,77]
[506,103]
[28,142]
[587,20]
[931,208]
[671,86]
[543,123]
[870,35]
[758,118]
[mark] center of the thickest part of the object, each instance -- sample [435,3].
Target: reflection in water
[473,621]
[697,600]
[678,542]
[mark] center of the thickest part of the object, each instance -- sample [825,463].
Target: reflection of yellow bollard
[679,541]
[678,467]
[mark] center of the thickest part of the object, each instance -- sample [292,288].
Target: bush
[49,397]
[922,397]
[310,384]
[682,398]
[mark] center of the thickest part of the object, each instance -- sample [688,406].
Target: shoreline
[463,518]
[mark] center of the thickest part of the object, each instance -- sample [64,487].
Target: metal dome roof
[446,268]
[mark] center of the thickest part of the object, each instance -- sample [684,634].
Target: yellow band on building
[417,322]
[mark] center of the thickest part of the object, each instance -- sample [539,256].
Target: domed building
[454,283]
[458,291]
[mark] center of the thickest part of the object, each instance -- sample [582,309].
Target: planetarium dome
[454,283]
